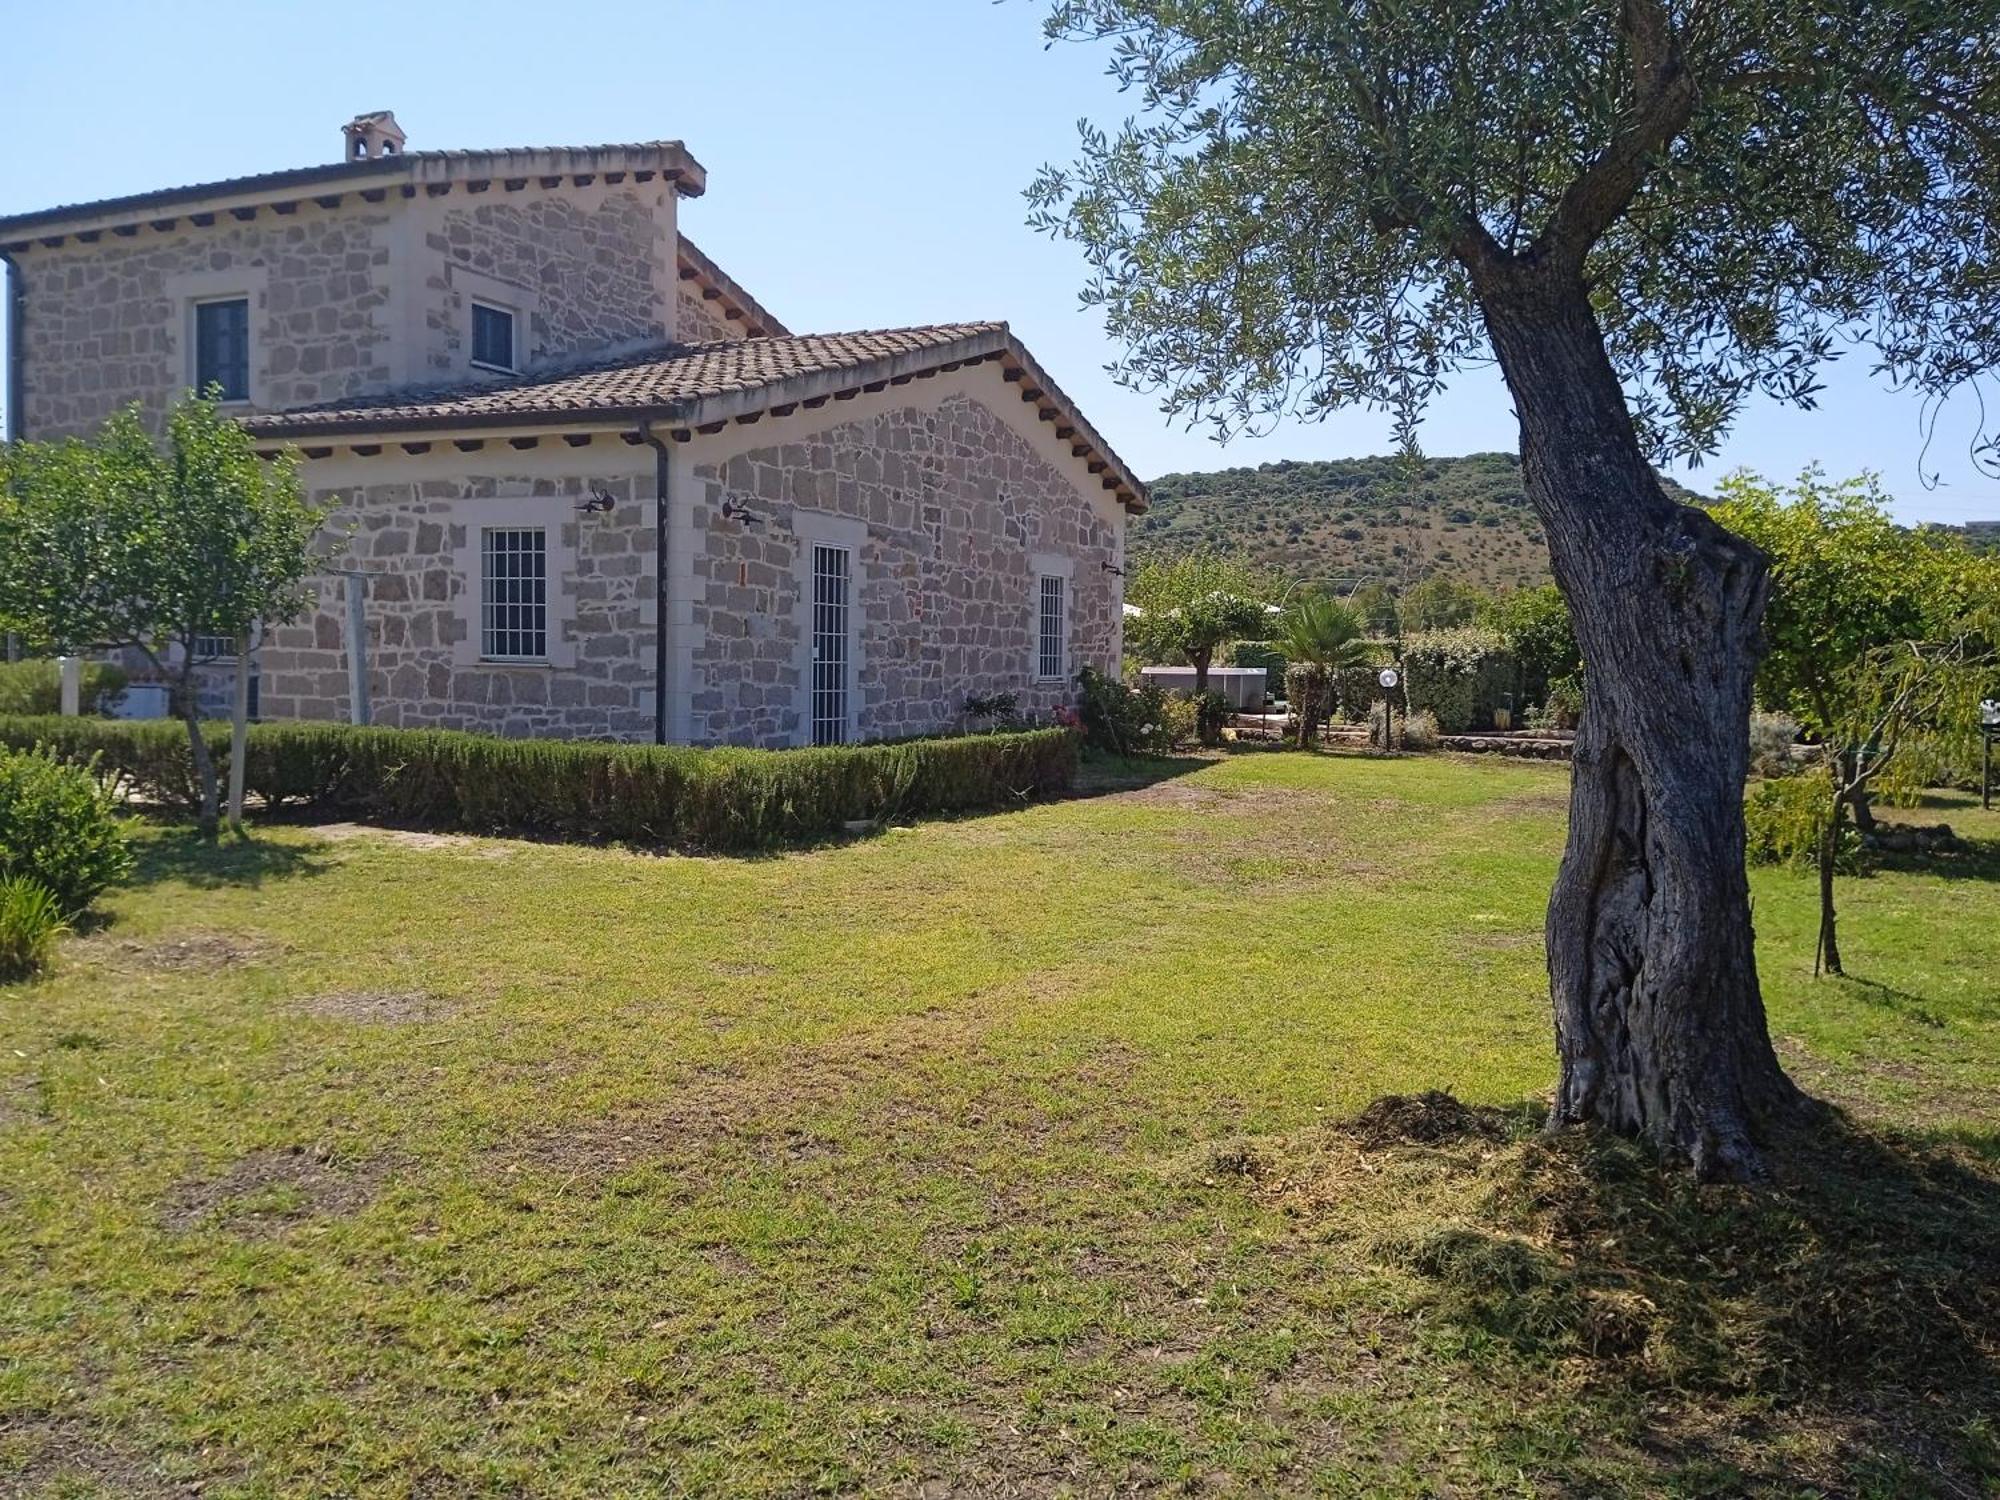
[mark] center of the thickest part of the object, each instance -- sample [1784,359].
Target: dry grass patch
[194,952]
[271,1190]
[377,1007]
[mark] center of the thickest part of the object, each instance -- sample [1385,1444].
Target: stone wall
[701,321]
[411,536]
[108,322]
[587,269]
[956,505]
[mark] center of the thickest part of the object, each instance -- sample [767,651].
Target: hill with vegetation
[1354,518]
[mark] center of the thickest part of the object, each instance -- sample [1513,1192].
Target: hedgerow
[574,789]
[1461,675]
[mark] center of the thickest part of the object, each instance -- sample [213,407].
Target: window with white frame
[213,647]
[514,594]
[1052,632]
[492,337]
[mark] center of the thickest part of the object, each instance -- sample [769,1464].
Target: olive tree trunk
[1659,1022]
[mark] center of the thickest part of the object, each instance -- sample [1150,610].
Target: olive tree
[1190,607]
[1646,211]
[119,543]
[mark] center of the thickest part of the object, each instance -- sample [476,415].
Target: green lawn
[1003,1155]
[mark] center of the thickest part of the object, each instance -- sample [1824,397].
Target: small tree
[1191,607]
[1327,636]
[1876,635]
[1536,625]
[1439,602]
[118,543]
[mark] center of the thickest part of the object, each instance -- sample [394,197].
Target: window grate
[1052,640]
[222,348]
[832,579]
[513,600]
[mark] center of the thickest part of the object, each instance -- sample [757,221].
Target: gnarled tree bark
[1659,1021]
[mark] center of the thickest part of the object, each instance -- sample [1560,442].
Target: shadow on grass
[1100,775]
[182,854]
[1974,859]
[1852,1304]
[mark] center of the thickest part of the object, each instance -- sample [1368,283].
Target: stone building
[580,481]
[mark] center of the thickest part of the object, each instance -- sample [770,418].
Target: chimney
[373,134]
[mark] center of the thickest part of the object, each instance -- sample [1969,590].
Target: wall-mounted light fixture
[731,511]
[1112,569]
[599,503]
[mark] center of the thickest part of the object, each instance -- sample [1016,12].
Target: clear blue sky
[865,160]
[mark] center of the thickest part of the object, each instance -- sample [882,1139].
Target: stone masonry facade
[581,271]
[701,321]
[417,541]
[956,505]
[108,322]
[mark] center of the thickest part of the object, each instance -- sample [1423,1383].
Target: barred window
[213,647]
[1052,638]
[513,594]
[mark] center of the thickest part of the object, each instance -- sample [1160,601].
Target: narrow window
[831,579]
[213,647]
[492,337]
[1052,639]
[222,348]
[513,595]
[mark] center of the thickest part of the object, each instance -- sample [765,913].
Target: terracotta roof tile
[698,384]
[664,381]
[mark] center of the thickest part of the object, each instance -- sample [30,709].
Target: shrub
[1420,730]
[59,827]
[1120,720]
[1180,720]
[1460,675]
[1564,708]
[30,922]
[1785,818]
[673,795]
[1771,737]
[1309,692]
[35,687]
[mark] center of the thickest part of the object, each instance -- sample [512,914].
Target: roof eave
[689,177]
[713,412]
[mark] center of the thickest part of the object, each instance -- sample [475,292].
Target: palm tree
[1321,632]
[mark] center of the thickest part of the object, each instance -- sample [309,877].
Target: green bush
[1357,689]
[1121,720]
[1785,817]
[1309,694]
[59,826]
[35,687]
[671,795]
[31,920]
[1564,708]
[1420,730]
[1460,675]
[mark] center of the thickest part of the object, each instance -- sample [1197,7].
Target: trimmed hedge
[1460,675]
[576,789]
[35,686]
